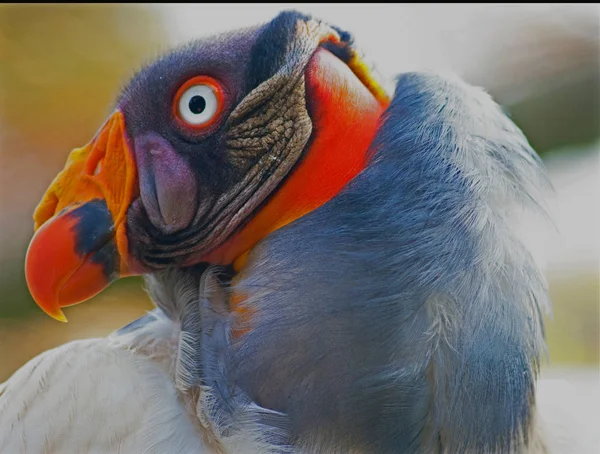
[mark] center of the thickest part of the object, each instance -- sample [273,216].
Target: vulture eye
[198,102]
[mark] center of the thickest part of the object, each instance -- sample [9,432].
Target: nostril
[93,165]
[98,167]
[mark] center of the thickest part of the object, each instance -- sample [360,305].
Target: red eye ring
[214,102]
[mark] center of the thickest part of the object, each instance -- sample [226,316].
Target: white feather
[96,396]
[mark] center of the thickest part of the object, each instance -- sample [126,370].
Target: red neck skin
[345,119]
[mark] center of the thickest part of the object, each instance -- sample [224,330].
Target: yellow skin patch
[362,71]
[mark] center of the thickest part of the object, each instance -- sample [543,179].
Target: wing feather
[94,396]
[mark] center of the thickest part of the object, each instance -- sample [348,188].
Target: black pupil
[197,104]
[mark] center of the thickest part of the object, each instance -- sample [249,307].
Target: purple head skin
[194,182]
[181,173]
[168,186]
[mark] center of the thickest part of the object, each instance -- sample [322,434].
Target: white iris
[198,104]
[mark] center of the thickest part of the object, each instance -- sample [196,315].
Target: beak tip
[57,273]
[58,315]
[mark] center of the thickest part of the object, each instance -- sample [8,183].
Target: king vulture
[334,270]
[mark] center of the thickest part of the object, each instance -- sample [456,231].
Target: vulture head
[209,149]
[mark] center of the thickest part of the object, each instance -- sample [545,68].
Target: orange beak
[80,242]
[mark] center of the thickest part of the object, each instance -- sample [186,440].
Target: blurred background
[62,67]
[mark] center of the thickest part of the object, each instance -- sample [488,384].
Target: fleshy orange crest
[80,245]
[103,169]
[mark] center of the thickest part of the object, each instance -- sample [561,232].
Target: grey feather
[405,315]
[195,299]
